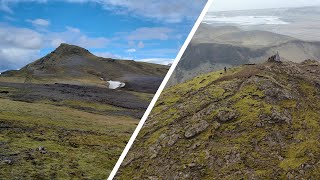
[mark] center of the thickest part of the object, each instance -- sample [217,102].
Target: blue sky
[145,30]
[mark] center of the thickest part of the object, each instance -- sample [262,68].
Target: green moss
[248,108]
[217,92]
[268,148]
[201,81]
[249,104]
[263,173]
[230,127]
[312,119]
[292,163]
[307,89]
[172,100]
[154,137]
[296,154]
[209,133]
[249,90]
[143,96]
[306,118]
[78,144]
[96,106]
[288,104]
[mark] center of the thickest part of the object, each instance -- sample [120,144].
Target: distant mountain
[72,64]
[235,36]
[251,122]
[214,48]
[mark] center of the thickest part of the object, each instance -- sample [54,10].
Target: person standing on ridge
[225,69]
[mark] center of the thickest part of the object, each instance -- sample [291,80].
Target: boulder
[196,129]
[226,115]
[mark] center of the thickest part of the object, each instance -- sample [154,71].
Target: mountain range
[215,47]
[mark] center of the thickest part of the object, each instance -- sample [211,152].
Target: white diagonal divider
[162,86]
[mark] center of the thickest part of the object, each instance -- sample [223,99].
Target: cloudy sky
[229,5]
[147,30]
[295,18]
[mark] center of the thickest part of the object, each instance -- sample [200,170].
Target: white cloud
[107,55]
[56,42]
[133,44]
[19,46]
[154,33]
[75,36]
[164,61]
[39,22]
[244,20]
[72,29]
[20,38]
[13,58]
[131,50]
[229,5]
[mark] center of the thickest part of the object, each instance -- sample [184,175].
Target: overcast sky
[229,5]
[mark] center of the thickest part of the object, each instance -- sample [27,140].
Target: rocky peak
[64,51]
[67,49]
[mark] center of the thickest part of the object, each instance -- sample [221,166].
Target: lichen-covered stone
[196,129]
[226,115]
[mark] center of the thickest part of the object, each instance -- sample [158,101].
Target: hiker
[277,58]
[225,69]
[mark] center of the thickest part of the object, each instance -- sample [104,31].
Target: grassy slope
[255,143]
[77,144]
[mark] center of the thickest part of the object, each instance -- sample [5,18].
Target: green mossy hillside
[253,122]
[64,131]
[43,141]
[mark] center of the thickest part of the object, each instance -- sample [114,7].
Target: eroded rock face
[278,94]
[280,117]
[196,129]
[173,139]
[275,117]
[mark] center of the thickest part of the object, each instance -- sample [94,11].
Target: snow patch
[115,84]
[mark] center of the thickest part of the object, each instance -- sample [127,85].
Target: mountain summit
[62,53]
[67,49]
[250,122]
[72,64]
